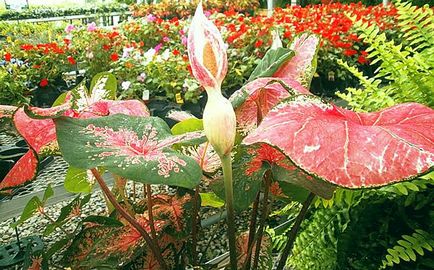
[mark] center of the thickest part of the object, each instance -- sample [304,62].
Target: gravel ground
[212,241]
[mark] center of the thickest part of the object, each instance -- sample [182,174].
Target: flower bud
[206,51]
[208,61]
[219,123]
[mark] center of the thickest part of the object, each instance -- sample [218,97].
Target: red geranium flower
[175,52]
[362,59]
[114,57]
[258,43]
[71,60]
[43,82]
[8,57]
[350,52]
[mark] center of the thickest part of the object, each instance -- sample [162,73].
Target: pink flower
[91,27]
[166,39]
[150,18]
[69,28]
[158,47]
[206,51]
[209,64]
[184,40]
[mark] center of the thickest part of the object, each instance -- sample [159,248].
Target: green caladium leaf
[29,210]
[137,148]
[210,199]
[188,125]
[106,83]
[33,206]
[247,179]
[71,209]
[78,180]
[271,62]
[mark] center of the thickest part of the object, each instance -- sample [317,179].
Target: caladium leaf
[261,94]
[40,135]
[270,63]
[350,149]
[136,148]
[7,111]
[53,112]
[265,261]
[205,156]
[302,66]
[172,212]
[179,115]
[97,246]
[23,171]
[78,180]
[286,172]
[104,82]
[109,107]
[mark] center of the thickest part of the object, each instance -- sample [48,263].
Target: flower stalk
[209,64]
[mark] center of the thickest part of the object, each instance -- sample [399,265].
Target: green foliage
[45,12]
[357,228]
[408,247]
[273,59]
[405,71]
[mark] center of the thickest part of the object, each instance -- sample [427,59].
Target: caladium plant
[36,126]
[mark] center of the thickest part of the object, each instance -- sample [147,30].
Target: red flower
[71,60]
[43,82]
[258,43]
[362,59]
[27,47]
[350,52]
[175,52]
[106,47]
[8,57]
[114,57]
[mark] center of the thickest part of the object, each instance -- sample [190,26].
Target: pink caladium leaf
[55,111]
[137,148]
[22,172]
[7,111]
[205,156]
[302,66]
[261,94]
[40,134]
[109,107]
[350,149]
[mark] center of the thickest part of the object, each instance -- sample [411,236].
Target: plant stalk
[264,216]
[150,214]
[293,232]
[155,250]
[229,195]
[252,231]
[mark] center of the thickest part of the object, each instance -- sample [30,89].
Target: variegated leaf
[351,149]
[302,66]
[136,148]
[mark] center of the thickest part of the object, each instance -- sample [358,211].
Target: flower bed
[137,49]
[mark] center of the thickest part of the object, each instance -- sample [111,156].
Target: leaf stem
[229,195]
[53,221]
[264,216]
[293,232]
[155,250]
[150,214]
[252,231]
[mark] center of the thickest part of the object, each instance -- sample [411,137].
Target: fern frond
[408,247]
[417,24]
